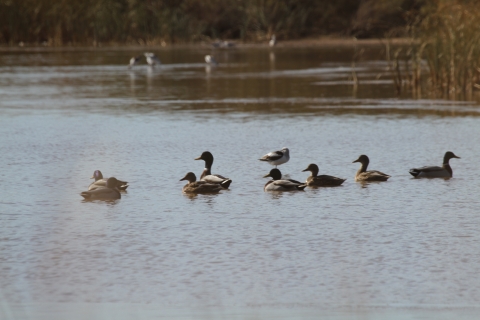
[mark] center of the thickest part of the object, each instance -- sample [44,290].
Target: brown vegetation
[63,22]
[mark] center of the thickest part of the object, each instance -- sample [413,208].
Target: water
[402,249]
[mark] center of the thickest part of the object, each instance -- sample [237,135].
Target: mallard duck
[100,181]
[315,180]
[152,59]
[445,171]
[133,61]
[364,175]
[194,186]
[207,173]
[109,192]
[279,184]
[210,60]
[276,158]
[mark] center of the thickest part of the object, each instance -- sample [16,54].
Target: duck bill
[457,157]
[92,177]
[184,178]
[267,175]
[356,161]
[305,170]
[199,158]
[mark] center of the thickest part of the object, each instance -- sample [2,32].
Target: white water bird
[273,41]
[276,158]
[133,61]
[152,59]
[210,60]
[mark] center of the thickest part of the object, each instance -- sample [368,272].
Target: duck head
[97,175]
[112,183]
[449,155]
[275,174]
[313,168]
[207,157]
[190,177]
[363,159]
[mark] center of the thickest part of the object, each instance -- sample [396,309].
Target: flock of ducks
[109,188]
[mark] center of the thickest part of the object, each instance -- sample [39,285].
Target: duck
[100,181]
[108,192]
[445,171]
[133,61]
[364,175]
[210,60]
[314,180]
[152,59]
[276,158]
[279,184]
[194,186]
[207,173]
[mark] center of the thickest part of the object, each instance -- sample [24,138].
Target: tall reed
[447,39]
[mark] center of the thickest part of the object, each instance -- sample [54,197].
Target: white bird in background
[152,59]
[273,41]
[134,61]
[276,158]
[210,60]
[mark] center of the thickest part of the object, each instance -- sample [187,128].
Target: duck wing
[372,176]
[325,181]
[121,185]
[101,193]
[289,184]
[217,179]
[429,171]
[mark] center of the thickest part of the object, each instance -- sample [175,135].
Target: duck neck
[314,172]
[363,167]
[206,172]
[447,167]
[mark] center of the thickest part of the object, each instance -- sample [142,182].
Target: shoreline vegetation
[431,46]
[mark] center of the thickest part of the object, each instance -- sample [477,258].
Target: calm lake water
[402,249]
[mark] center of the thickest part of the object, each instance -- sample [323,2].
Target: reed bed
[443,58]
[86,22]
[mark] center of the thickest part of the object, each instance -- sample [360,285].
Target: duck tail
[225,184]
[414,172]
[301,187]
[122,187]
[85,195]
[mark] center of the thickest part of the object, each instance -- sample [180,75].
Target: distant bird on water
[210,60]
[152,59]
[445,171]
[201,186]
[109,192]
[273,41]
[315,180]
[100,181]
[279,184]
[363,175]
[276,158]
[134,61]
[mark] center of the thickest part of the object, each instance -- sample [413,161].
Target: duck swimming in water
[108,192]
[445,171]
[279,184]
[315,180]
[100,181]
[363,175]
[194,186]
[207,172]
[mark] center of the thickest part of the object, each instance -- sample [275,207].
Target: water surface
[402,249]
